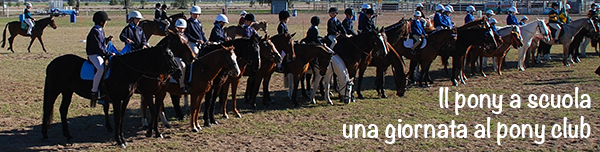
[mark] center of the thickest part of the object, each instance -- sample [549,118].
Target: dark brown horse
[236,30]
[62,77]
[478,31]
[513,39]
[440,42]
[300,65]
[15,29]
[152,27]
[356,52]
[150,87]
[204,71]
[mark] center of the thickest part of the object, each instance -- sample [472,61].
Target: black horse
[63,77]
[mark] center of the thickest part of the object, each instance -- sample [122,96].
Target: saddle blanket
[410,42]
[88,70]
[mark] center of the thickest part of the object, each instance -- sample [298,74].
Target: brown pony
[477,52]
[300,65]
[14,28]
[236,30]
[205,70]
[151,27]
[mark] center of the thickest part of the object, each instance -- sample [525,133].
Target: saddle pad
[24,26]
[88,70]
[410,42]
[188,78]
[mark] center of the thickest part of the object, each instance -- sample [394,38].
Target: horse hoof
[383,95]
[159,136]
[360,96]
[400,94]
[330,103]
[148,134]
[168,126]
[521,69]
[207,124]
[225,117]
[195,130]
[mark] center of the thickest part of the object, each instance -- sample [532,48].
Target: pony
[532,33]
[300,65]
[513,38]
[569,31]
[237,30]
[248,50]
[338,67]
[356,52]
[62,77]
[152,27]
[14,28]
[204,71]
[270,58]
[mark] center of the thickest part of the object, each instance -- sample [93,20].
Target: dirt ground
[312,127]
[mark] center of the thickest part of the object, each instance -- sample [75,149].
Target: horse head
[231,58]
[515,39]
[381,43]
[47,21]
[253,52]
[268,50]
[543,29]
[167,61]
[285,43]
[180,48]
[324,60]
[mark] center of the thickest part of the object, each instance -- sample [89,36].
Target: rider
[347,23]
[157,12]
[511,19]
[593,11]
[217,34]
[554,22]
[446,16]
[524,20]
[312,35]
[284,17]
[470,11]
[493,22]
[362,17]
[419,7]
[133,34]
[95,48]
[334,26]
[242,20]
[489,14]
[194,32]
[367,22]
[438,22]
[248,30]
[563,16]
[164,18]
[28,19]
[417,31]
[180,26]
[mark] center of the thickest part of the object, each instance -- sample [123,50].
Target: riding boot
[93,99]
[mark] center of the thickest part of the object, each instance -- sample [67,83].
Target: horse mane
[178,14]
[395,25]
[228,48]
[472,23]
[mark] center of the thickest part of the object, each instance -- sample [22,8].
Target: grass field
[309,128]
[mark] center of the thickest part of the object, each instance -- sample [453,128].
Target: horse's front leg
[380,81]
[143,108]
[266,94]
[481,65]
[222,93]
[175,99]
[42,43]
[234,86]
[361,73]
[295,90]
[316,83]
[31,42]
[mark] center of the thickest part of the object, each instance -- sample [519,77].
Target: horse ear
[293,34]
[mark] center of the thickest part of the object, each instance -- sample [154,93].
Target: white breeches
[98,62]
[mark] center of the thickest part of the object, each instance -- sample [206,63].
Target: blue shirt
[27,13]
[194,31]
[96,42]
[282,28]
[362,21]
[136,34]
[249,31]
[416,28]
[469,18]
[347,27]
[217,34]
[448,21]
[512,20]
[334,26]
[437,20]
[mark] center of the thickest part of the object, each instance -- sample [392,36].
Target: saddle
[560,33]
[24,25]
[88,70]
[409,42]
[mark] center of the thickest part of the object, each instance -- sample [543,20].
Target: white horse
[570,30]
[338,67]
[536,28]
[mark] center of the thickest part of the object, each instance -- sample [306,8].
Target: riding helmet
[284,15]
[333,9]
[222,18]
[164,6]
[419,5]
[250,17]
[349,11]
[555,4]
[100,17]
[365,6]
[370,11]
[315,20]
[594,6]
[157,5]
[181,23]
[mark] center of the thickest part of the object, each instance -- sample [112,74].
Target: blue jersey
[448,21]
[416,28]
[469,18]
[512,20]
[437,20]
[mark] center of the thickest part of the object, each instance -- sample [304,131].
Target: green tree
[113,2]
[143,3]
[181,4]
[71,2]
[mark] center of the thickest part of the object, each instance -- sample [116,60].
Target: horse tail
[48,109]
[4,35]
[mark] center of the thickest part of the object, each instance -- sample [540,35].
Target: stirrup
[93,99]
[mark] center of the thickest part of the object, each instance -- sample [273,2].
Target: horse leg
[266,94]
[249,90]
[153,113]
[196,102]
[105,107]
[31,42]
[10,43]
[159,105]
[42,43]
[411,72]
[313,92]
[307,78]
[481,65]
[143,108]
[222,99]
[380,80]
[50,96]
[295,90]
[118,121]
[64,110]
[234,87]
[122,117]
[566,59]
[175,99]
[361,73]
